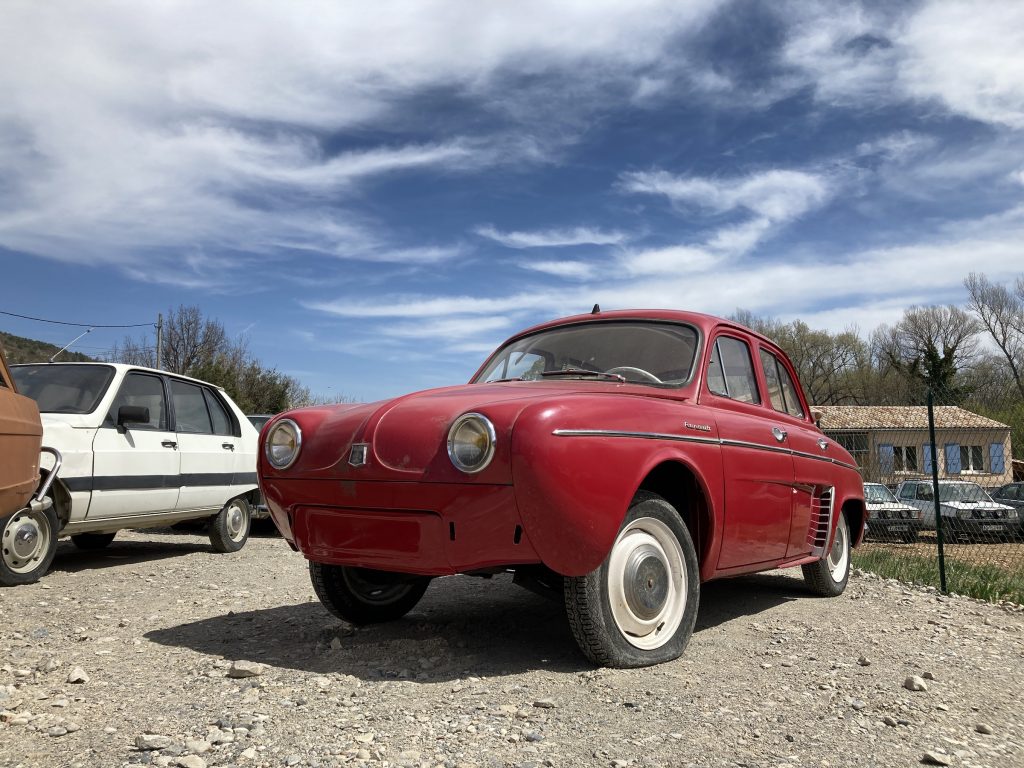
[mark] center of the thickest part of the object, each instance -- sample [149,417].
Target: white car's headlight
[283,443]
[471,442]
[964,514]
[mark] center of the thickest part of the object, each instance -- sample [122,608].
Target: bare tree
[1002,314]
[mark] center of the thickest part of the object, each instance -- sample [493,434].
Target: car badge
[357,457]
[698,427]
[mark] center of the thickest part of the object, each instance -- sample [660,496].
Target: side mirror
[816,414]
[131,414]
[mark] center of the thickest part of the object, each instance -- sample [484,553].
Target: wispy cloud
[573,270]
[776,195]
[964,56]
[553,238]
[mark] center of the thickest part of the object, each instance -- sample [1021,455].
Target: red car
[620,458]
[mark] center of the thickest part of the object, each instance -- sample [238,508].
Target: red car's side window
[731,371]
[781,390]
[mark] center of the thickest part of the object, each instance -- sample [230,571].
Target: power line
[79,325]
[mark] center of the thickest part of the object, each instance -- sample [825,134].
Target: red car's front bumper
[423,528]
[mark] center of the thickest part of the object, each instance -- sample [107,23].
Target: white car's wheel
[28,543]
[229,529]
[639,606]
[828,576]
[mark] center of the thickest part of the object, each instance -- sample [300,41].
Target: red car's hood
[408,435]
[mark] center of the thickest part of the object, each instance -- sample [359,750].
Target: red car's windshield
[642,352]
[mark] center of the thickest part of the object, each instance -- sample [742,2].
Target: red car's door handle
[780,434]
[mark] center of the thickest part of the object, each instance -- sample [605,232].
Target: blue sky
[374,197]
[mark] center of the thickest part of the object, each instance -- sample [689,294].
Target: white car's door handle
[169,444]
[228,446]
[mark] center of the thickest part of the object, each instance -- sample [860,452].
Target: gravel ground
[483,673]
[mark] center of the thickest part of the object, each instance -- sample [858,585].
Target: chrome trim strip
[641,435]
[757,446]
[695,439]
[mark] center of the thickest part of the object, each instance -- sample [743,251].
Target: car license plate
[991,527]
[899,527]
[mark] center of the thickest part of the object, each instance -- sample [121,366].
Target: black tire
[229,528]
[35,532]
[365,596]
[92,541]
[650,591]
[828,576]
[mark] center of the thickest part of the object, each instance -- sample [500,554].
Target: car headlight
[964,514]
[1011,514]
[282,444]
[471,442]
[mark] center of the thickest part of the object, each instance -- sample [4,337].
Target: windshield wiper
[581,372]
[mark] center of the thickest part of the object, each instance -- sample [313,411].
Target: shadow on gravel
[70,559]
[463,626]
[746,596]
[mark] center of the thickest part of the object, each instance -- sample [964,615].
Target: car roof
[124,368]
[702,321]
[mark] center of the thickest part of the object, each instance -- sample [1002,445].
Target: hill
[18,349]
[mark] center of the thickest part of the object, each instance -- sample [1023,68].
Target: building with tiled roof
[890,443]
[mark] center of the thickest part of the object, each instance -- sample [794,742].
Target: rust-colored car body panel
[569,457]
[21,435]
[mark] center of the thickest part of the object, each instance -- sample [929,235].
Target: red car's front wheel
[365,596]
[639,606]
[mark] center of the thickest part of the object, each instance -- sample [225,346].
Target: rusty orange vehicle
[28,523]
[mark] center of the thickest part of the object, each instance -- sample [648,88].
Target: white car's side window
[190,414]
[143,390]
[221,421]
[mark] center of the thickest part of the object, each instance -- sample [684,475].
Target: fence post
[935,490]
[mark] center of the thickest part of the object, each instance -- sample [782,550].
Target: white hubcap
[25,540]
[839,555]
[236,520]
[647,583]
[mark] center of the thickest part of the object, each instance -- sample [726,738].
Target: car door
[135,467]
[207,461]
[757,465]
[812,466]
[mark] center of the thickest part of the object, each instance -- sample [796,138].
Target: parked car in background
[1011,494]
[967,510]
[26,512]
[618,459]
[142,448]
[888,518]
[259,509]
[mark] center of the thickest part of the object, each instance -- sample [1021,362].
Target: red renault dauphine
[620,458]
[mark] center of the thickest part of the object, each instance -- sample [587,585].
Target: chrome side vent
[821,519]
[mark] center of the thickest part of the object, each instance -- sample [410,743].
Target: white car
[967,510]
[888,518]
[141,448]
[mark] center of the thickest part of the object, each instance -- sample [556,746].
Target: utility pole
[159,337]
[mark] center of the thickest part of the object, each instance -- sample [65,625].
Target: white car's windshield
[642,352]
[878,494]
[962,492]
[60,388]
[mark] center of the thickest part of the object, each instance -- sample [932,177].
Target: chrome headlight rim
[296,430]
[492,438]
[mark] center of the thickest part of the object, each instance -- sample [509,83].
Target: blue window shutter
[952,458]
[886,458]
[996,462]
[926,451]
